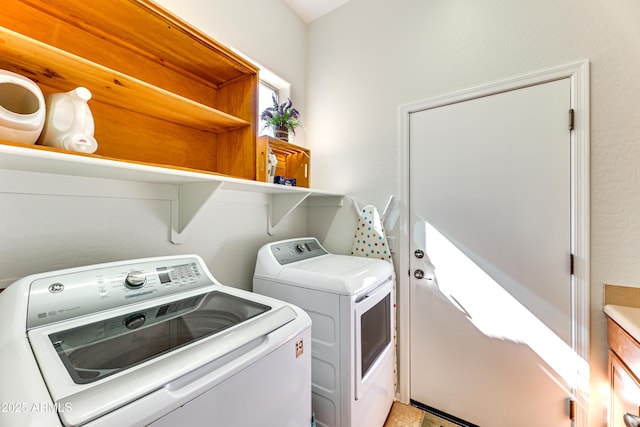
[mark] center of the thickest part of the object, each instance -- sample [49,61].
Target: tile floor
[404,416]
[408,416]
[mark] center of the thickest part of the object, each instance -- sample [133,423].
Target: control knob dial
[135,279]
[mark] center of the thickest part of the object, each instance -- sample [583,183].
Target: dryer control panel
[294,250]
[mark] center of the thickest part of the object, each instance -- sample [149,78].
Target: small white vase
[272,163]
[69,123]
[22,108]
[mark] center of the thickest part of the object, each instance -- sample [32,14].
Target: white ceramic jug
[69,124]
[22,108]
[273,163]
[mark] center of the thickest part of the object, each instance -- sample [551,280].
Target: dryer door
[374,331]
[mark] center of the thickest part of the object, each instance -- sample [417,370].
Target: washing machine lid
[340,274]
[99,349]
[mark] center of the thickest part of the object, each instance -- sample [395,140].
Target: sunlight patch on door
[495,312]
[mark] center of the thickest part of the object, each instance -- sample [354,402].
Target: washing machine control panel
[296,250]
[82,291]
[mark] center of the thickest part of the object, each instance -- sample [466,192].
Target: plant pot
[281,134]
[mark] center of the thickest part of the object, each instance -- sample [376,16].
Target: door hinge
[572,409]
[572,117]
[571,264]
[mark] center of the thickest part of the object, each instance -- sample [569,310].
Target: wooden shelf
[63,71]
[136,37]
[293,161]
[163,92]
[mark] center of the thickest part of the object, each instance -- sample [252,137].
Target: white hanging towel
[370,242]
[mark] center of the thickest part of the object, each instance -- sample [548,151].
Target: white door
[490,201]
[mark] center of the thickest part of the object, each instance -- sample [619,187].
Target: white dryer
[350,301]
[150,342]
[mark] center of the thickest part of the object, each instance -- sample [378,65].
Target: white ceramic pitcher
[22,108]
[69,124]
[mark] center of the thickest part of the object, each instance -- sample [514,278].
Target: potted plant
[281,118]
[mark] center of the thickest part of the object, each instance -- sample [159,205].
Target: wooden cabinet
[293,161]
[624,369]
[164,93]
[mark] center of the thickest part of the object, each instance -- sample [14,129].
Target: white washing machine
[154,341]
[350,301]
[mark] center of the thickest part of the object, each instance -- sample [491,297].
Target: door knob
[419,253]
[418,274]
[631,420]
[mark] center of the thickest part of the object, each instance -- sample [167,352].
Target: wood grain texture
[293,161]
[625,390]
[237,149]
[63,71]
[140,27]
[624,346]
[106,157]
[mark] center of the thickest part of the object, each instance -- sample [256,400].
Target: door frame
[578,73]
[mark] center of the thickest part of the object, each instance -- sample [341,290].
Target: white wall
[44,233]
[370,56]
[41,233]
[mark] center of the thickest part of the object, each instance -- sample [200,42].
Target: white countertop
[627,317]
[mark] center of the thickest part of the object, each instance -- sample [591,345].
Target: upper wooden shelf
[142,29]
[164,93]
[64,71]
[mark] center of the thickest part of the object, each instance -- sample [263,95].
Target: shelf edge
[42,160]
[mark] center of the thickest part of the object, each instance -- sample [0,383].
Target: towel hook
[355,205]
[388,206]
